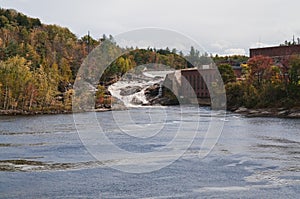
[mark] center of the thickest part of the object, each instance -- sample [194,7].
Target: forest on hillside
[39,64]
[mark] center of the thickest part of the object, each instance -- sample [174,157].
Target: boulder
[118,105]
[130,90]
[241,110]
[152,92]
[164,101]
[294,115]
[136,101]
[283,113]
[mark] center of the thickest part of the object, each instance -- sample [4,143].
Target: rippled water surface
[44,157]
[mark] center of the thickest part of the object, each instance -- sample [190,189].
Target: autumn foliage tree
[269,84]
[35,60]
[260,68]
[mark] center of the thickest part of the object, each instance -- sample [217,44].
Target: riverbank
[38,112]
[263,112]
[48,112]
[269,112]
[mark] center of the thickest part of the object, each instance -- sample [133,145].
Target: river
[44,157]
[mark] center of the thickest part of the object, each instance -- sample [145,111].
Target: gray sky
[220,26]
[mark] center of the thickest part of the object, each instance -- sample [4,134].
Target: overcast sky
[220,26]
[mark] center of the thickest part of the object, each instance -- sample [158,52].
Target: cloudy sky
[220,26]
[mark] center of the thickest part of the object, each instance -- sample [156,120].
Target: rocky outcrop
[136,101]
[294,113]
[152,92]
[269,112]
[31,112]
[117,105]
[152,95]
[130,90]
[164,101]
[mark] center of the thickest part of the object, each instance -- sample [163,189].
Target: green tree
[3,21]
[227,73]
[295,70]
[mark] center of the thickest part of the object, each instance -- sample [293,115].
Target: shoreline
[292,113]
[25,112]
[49,112]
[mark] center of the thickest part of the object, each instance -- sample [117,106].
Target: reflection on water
[42,156]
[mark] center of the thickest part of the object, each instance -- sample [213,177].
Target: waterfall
[133,100]
[131,91]
[160,91]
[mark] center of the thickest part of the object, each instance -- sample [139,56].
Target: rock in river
[130,90]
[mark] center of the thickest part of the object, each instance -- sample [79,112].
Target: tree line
[39,62]
[266,84]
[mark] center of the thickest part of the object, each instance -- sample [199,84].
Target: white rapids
[143,81]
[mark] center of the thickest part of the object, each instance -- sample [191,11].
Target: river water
[44,157]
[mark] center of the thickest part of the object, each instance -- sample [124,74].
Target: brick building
[192,82]
[276,51]
[197,85]
[280,54]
